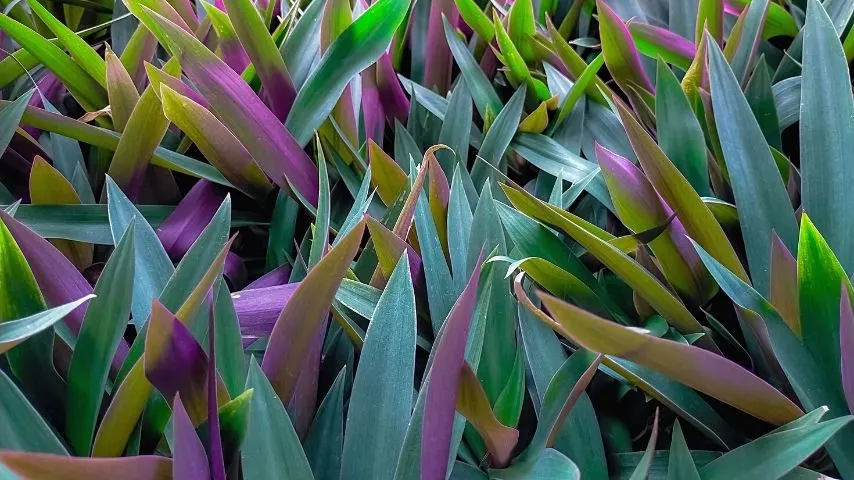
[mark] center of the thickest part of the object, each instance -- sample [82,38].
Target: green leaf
[320,237]
[271,448]
[84,55]
[83,87]
[743,41]
[498,138]
[642,470]
[32,361]
[695,367]
[230,360]
[440,286]
[680,466]
[381,400]
[99,337]
[324,440]
[820,275]
[153,268]
[773,455]
[21,426]
[680,135]
[764,205]
[353,51]
[809,382]
[14,332]
[827,136]
[485,99]
[302,44]
[459,228]
[643,282]
[10,117]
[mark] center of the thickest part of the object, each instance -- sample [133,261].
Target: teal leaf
[381,399]
[827,135]
[271,448]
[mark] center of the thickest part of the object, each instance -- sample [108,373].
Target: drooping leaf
[43,466]
[676,360]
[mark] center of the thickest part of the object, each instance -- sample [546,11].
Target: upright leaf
[827,135]
[381,400]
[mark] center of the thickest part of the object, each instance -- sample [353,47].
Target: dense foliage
[465,239]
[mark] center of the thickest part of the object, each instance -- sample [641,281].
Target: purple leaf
[846,338]
[258,308]
[59,281]
[392,96]
[43,466]
[306,313]
[237,107]
[215,455]
[189,460]
[442,389]
[437,61]
[184,225]
[273,278]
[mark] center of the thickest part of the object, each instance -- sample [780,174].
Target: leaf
[485,99]
[230,49]
[381,400]
[662,44]
[619,50]
[175,363]
[42,466]
[576,92]
[680,135]
[143,133]
[31,362]
[812,385]
[760,96]
[219,146]
[781,452]
[97,342]
[498,138]
[231,362]
[440,403]
[354,50]
[189,459]
[756,182]
[152,266]
[473,404]
[102,138]
[121,91]
[84,55]
[271,447]
[305,313]
[278,89]
[826,136]
[10,117]
[13,332]
[83,87]
[680,466]
[846,338]
[743,42]
[58,280]
[697,368]
[784,285]
[710,16]
[48,186]
[639,208]
[22,428]
[185,292]
[324,440]
[644,283]
[819,275]
[642,470]
[237,106]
